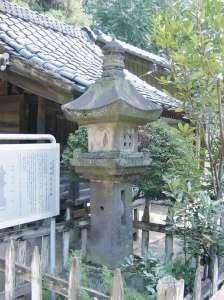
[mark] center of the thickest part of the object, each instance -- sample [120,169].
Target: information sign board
[29,182]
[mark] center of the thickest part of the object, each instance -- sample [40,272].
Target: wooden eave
[38,82]
[149,65]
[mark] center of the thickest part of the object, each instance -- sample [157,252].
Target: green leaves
[68,11]
[195,217]
[191,35]
[182,268]
[171,152]
[76,141]
[150,268]
[185,129]
[127,20]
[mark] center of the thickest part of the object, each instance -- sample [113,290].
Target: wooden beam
[29,233]
[80,213]
[39,82]
[149,226]
[141,201]
[149,65]
[41,115]
[3,88]
[12,113]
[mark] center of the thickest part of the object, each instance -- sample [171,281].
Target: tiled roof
[61,50]
[148,56]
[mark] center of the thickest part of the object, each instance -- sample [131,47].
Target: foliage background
[68,11]
[128,20]
[171,154]
[190,34]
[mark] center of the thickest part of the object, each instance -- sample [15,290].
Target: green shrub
[171,154]
[77,140]
[180,268]
[151,268]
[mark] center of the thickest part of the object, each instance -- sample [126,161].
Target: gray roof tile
[4,26]
[15,45]
[25,54]
[63,51]
[37,61]
[50,67]
[12,34]
[66,74]
[32,48]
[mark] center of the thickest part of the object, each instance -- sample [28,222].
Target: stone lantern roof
[112,98]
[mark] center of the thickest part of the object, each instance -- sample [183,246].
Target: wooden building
[51,63]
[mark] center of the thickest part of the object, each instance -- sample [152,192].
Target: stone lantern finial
[113,60]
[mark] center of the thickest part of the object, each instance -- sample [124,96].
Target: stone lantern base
[110,175]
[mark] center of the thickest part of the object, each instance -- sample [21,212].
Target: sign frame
[51,139]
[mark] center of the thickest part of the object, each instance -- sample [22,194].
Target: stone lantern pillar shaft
[111,223]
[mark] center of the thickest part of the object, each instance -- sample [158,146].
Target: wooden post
[66,241]
[52,245]
[3,88]
[53,250]
[168,246]
[45,253]
[197,281]
[145,233]
[41,114]
[168,288]
[10,272]
[220,260]
[215,274]
[136,218]
[205,271]
[117,286]
[36,277]
[21,257]
[74,281]
[21,254]
[84,234]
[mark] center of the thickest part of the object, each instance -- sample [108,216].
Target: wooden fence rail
[145,225]
[22,280]
[70,289]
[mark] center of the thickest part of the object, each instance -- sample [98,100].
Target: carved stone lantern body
[112,110]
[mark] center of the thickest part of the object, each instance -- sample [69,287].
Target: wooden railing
[33,280]
[145,225]
[61,286]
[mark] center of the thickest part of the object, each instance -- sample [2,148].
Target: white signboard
[29,183]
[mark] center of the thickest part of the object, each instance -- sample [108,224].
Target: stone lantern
[111,109]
